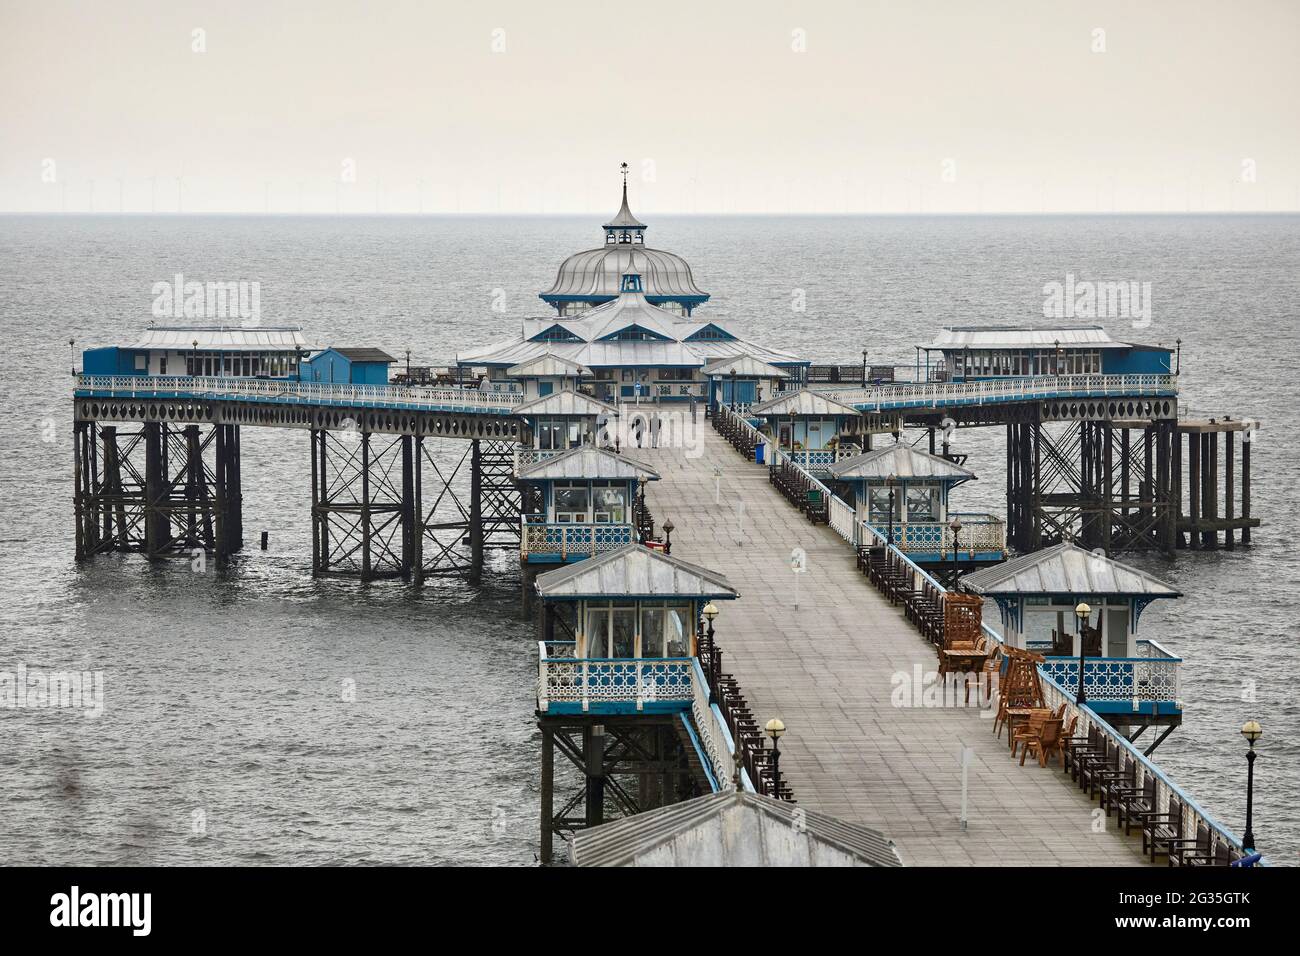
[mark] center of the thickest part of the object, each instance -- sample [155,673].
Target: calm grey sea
[226,737]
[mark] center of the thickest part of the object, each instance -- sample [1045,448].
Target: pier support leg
[358,501]
[476,513]
[156,520]
[1229,541]
[593,740]
[547,794]
[1246,442]
[1194,443]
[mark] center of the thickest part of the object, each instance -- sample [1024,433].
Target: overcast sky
[717,105]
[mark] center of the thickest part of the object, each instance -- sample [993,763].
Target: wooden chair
[1048,741]
[1183,852]
[1030,728]
[1159,830]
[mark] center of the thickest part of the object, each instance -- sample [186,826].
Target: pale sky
[521,106]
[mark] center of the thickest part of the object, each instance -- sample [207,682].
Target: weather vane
[623,167]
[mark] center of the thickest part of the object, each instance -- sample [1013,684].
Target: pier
[747,573]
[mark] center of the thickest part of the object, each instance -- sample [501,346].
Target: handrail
[1165,788]
[412,396]
[1029,388]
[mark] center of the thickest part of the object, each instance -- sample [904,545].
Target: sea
[254,715]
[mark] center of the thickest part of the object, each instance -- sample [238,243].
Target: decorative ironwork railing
[303,393]
[1152,676]
[531,456]
[538,536]
[563,678]
[1033,388]
[980,534]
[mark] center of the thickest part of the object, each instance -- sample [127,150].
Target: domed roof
[599,272]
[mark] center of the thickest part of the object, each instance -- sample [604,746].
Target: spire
[624,222]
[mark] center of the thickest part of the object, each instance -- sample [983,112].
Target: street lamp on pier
[1252,731]
[1081,612]
[72,350]
[708,613]
[668,542]
[775,728]
[194,358]
[1178,356]
[864,368]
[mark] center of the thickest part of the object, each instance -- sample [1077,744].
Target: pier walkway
[826,669]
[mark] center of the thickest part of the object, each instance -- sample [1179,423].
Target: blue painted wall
[1136,362]
[110,361]
[331,366]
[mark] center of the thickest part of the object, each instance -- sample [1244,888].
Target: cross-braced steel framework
[157,488]
[400,506]
[1103,484]
[625,765]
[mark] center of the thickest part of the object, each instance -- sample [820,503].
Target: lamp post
[1252,731]
[709,612]
[774,729]
[733,389]
[955,525]
[1178,356]
[1056,362]
[864,368]
[890,482]
[194,358]
[668,540]
[408,367]
[72,351]
[1081,612]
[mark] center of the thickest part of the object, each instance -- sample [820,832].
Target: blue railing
[550,541]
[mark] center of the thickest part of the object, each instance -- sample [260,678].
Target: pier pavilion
[204,350]
[593,277]
[581,502]
[815,430]
[903,494]
[972,353]
[636,351]
[630,691]
[1131,681]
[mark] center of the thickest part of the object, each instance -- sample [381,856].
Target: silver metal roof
[1066,569]
[625,219]
[587,461]
[803,402]
[634,571]
[732,829]
[548,365]
[744,365]
[956,337]
[280,338]
[565,402]
[903,462]
[600,272]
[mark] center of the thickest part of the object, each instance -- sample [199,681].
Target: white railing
[843,519]
[1131,681]
[565,679]
[744,424]
[285,390]
[715,740]
[538,536]
[980,534]
[1054,695]
[883,397]
[531,456]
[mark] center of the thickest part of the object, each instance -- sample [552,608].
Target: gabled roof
[903,462]
[746,366]
[732,829]
[565,402]
[634,571]
[362,354]
[548,365]
[587,461]
[1065,569]
[803,402]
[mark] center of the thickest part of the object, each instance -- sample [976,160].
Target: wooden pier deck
[825,668]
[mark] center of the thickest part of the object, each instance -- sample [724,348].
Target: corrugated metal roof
[903,462]
[629,309]
[600,272]
[634,571]
[744,365]
[565,402]
[732,829]
[953,337]
[587,461]
[547,365]
[803,402]
[1066,569]
[281,338]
